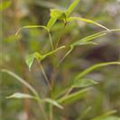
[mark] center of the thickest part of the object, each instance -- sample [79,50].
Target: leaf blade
[72,7]
[87,21]
[19,95]
[30,59]
[84,82]
[53,102]
[51,22]
[73,97]
[90,69]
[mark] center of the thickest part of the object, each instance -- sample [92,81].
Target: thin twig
[61,35]
[45,76]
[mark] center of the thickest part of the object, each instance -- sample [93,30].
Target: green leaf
[31,27]
[87,21]
[30,58]
[21,80]
[112,118]
[53,102]
[54,13]
[73,96]
[71,7]
[4,5]
[58,14]
[51,22]
[90,69]
[84,82]
[86,40]
[20,96]
[105,115]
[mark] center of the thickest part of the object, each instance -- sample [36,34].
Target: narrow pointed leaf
[73,97]
[20,96]
[86,40]
[87,21]
[90,69]
[72,7]
[84,82]
[53,102]
[51,22]
[30,59]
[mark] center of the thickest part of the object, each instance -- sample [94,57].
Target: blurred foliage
[101,98]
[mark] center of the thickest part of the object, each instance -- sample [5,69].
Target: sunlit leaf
[84,82]
[57,14]
[88,39]
[53,102]
[94,67]
[87,21]
[4,5]
[20,96]
[51,22]
[84,41]
[73,96]
[54,13]
[30,58]
[72,7]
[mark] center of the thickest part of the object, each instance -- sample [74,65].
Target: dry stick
[21,51]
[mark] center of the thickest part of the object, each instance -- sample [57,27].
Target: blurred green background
[18,13]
